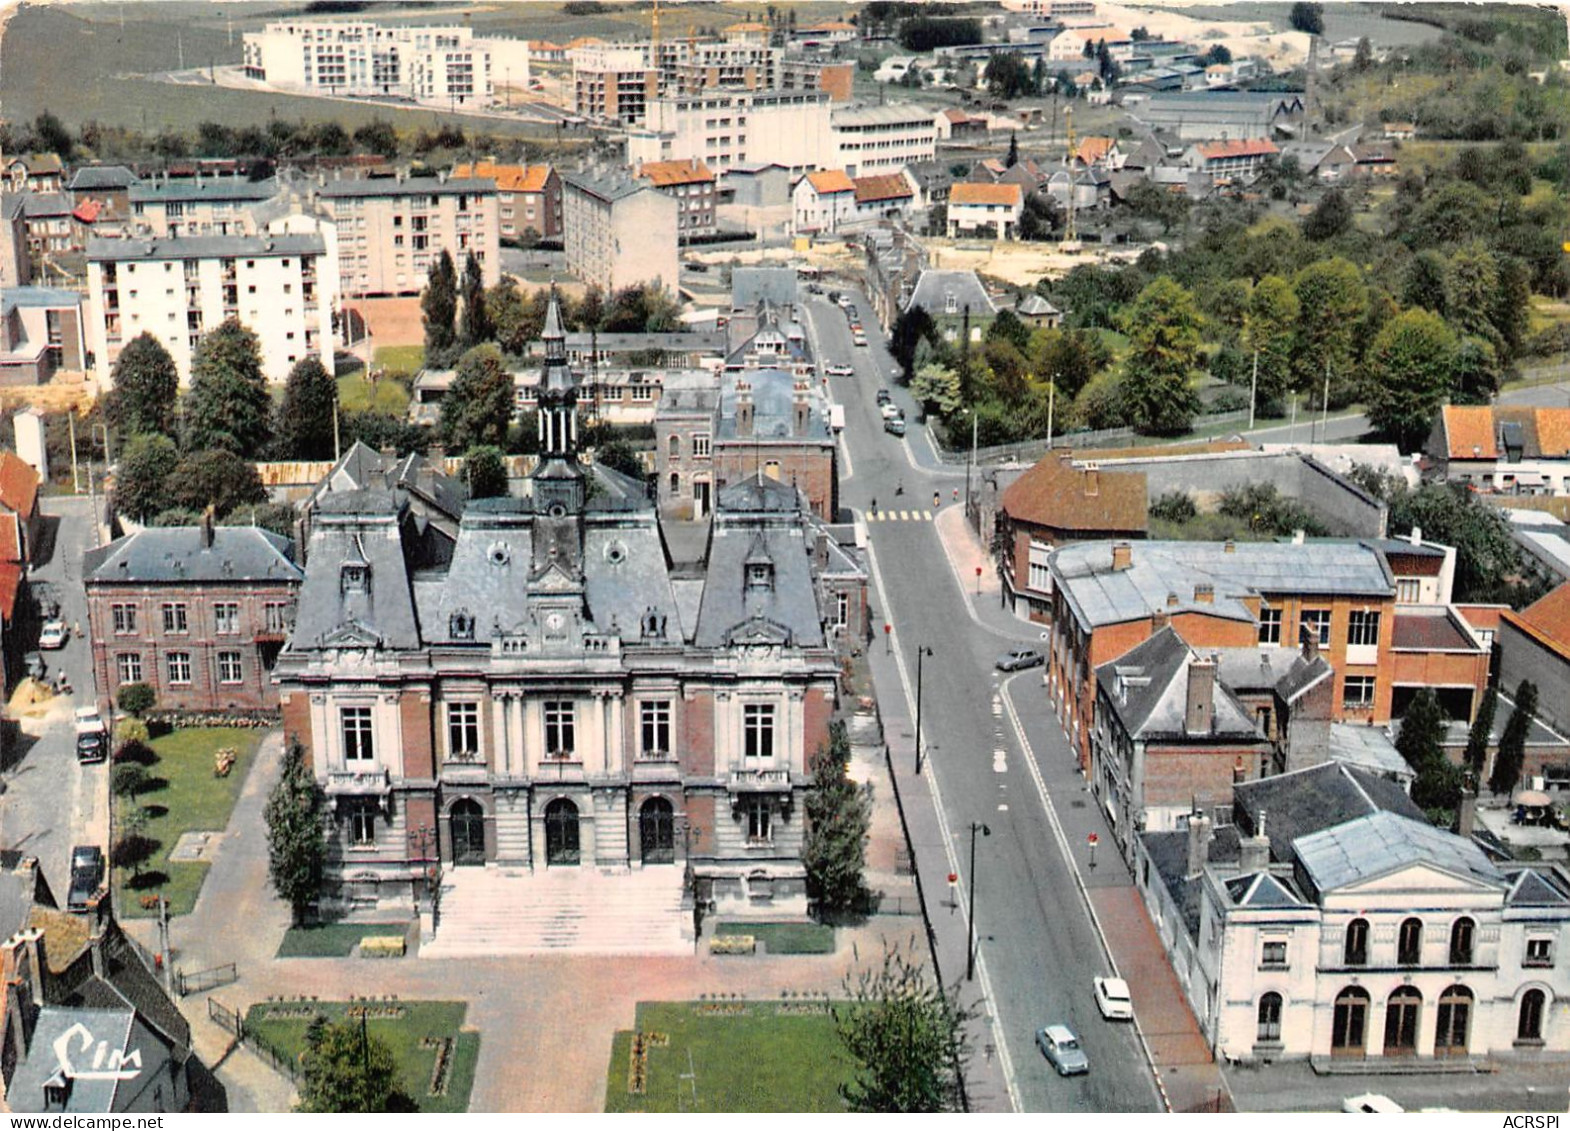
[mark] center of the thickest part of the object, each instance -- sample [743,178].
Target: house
[35,172]
[1037,313]
[1503,449]
[1050,505]
[41,332]
[545,51]
[764,185]
[821,201]
[881,196]
[954,300]
[1328,921]
[1087,188]
[956,125]
[933,181]
[985,210]
[1225,160]
[559,704]
[48,223]
[198,613]
[619,233]
[993,171]
[692,186]
[1375,161]
[109,185]
[1399,131]
[528,197]
[1100,152]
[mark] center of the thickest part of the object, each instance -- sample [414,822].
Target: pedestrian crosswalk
[899,516]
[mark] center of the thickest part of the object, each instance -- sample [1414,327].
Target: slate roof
[20,890]
[756,523]
[18,485]
[103,250]
[1531,888]
[1033,306]
[887,186]
[1262,890]
[1056,494]
[1148,690]
[1286,671]
[175,555]
[1168,852]
[1375,845]
[39,204]
[934,287]
[406,186]
[14,297]
[773,408]
[751,285]
[352,528]
[1304,802]
[201,188]
[103,178]
[1431,629]
[1370,749]
[111,1027]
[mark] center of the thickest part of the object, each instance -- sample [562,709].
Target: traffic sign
[1092,840]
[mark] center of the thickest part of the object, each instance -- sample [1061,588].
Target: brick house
[694,188]
[198,613]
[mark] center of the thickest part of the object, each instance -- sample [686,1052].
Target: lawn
[760,1059]
[785,938]
[420,1020]
[387,394]
[334,940]
[190,798]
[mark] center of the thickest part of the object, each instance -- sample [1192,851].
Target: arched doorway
[561,832]
[468,833]
[1453,1022]
[657,831]
[1349,1023]
[1401,1014]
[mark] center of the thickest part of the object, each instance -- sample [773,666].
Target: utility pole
[163,940]
[76,482]
[1052,400]
[1070,231]
[970,916]
[1253,391]
[921,651]
[1324,408]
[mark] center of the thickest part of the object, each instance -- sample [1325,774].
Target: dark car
[1018,659]
[884,397]
[87,875]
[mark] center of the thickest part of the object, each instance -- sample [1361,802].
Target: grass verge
[184,796]
[785,938]
[436,1020]
[357,394]
[334,940]
[763,1058]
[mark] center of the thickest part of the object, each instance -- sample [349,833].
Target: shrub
[136,699]
[1174,506]
[130,730]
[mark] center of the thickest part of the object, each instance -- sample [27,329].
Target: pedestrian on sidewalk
[937,499]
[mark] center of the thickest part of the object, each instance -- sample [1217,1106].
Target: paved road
[1039,950]
[45,769]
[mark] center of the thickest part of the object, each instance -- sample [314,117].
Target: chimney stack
[207,528]
[1122,556]
[1297,537]
[800,412]
[743,408]
[1199,836]
[1466,819]
[1092,480]
[1229,547]
[1204,594]
[1254,851]
[1200,705]
[1417,535]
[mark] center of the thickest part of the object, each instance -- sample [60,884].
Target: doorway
[1454,1020]
[561,833]
[468,834]
[1349,1024]
[657,831]
[1401,1014]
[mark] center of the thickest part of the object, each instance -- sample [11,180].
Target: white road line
[1006,1061]
[844,447]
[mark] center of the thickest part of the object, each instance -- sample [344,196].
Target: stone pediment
[352,634]
[1426,878]
[554,579]
[759,630]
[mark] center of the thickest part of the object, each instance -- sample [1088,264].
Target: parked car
[92,736]
[839,371]
[33,665]
[1113,1000]
[853,314]
[87,875]
[843,300]
[890,409]
[53,636]
[1061,1048]
[1017,659]
[859,340]
[884,396]
[1371,1103]
[895,425]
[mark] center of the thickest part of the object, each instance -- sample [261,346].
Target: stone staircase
[503,911]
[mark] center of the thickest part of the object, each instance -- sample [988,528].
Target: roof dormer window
[355,578]
[760,575]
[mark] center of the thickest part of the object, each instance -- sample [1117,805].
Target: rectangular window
[362,823]
[760,819]
[1316,626]
[230,669]
[1362,628]
[179,667]
[276,615]
[226,618]
[700,445]
[1409,590]
[358,745]
[1539,952]
[654,719]
[129,665]
[1358,692]
[559,718]
[842,609]
[1274,953]
[463,730]
[124,619]
[174,618]
[1270,626]
[758,730]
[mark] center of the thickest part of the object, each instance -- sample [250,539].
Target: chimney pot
[1122,556]
[1199,836]
[1417,535]
[1204,594]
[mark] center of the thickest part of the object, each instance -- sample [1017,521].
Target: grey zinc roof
[350,527]
[1369,748]
[46,204]
[102,250]
[175,554]
[773,401]
[1154,681]
[933,289]
[100,178]
[1306,801]
[1380,843]
[202,188]
[87,1094]
[1530,888]
[1168,851]
[13,297]
[406,186]
[752,285]
[1261,889]
[1034,305]
[607,186]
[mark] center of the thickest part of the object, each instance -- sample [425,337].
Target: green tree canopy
[1269,327]
[306,413]
[1478,737]
[1308,17]
[146,384]
[476,325]
[216,478]
[439,310]
[1332,300]
[349,1069]
[228,405]
[839,817]
[912,326]
[478,406]
[484,472]
[516,319]
[296,833]
[141,484]
[1331,217]
[1411,367]
[1163,328]
[1486,554]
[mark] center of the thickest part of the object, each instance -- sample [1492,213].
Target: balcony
[374,782]
[759,781]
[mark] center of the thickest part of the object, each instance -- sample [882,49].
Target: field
[761,1058]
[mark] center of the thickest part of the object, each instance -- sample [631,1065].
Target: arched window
[1529,1022]
[675,484]
[1409,943]
[1461,935]
[675,447]
[1453,1022]
[1269,1018]
[1357,943]
[1402,1009]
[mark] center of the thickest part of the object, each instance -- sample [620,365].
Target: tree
[1410,367]
[1486,554]
[1424,281]
[1332,301]
[1477,372]
[1146,200]
[939,387]
[349,1070]
[1008,75]
[1330,218]
[516,320]
[907,1037]
[1422,731]
[1512,743]
[839,817]
[1163,327]
[476,325]
[377,137]
[141,484]
[912,326]
[1067,358]
[228,405]
[1363,59]
[1007,327]
[1471,284]
[53,136]
[296,836]
[218,479]
[479,404]
[1217,56]
[1477,738]
[136,699]
[1308,17]
[439,309]
[485,473]
[146,385]
[1012,157]
[305,415]
[1268,328]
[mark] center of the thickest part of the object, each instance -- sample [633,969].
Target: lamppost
[970,917]
[423,840]
[921,651]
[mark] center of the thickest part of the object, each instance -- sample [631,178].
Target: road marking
[1003,808]
[1005,1059]
[844,449]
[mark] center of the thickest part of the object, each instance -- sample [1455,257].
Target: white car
[843,300]
[891,410]
[1113,1000]
[839,371]
[53,636]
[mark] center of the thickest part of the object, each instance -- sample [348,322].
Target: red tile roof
[889,186]
[10,585]
[1093,149]
[970,193]
[1238,147]
[1063,497]
[1547,619]
[18,485]
[508,178]
[87,211]
[1469,432]
[663,173]
[830,181]
[10,538]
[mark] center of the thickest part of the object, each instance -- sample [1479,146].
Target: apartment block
[617,81]
[619,233]
[391,230]
[693,187]
[197,206]
[724,129]
[282,287]
[528,197]
[882,139]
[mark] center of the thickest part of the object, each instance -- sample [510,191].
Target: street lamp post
[970,917]
[423,840]
[921,652]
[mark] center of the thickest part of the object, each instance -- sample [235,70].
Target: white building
[985,210]
[618,233]
[441,66]
[282,286]
[1333,921]
[821,200]
[726,128]
[882,139]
